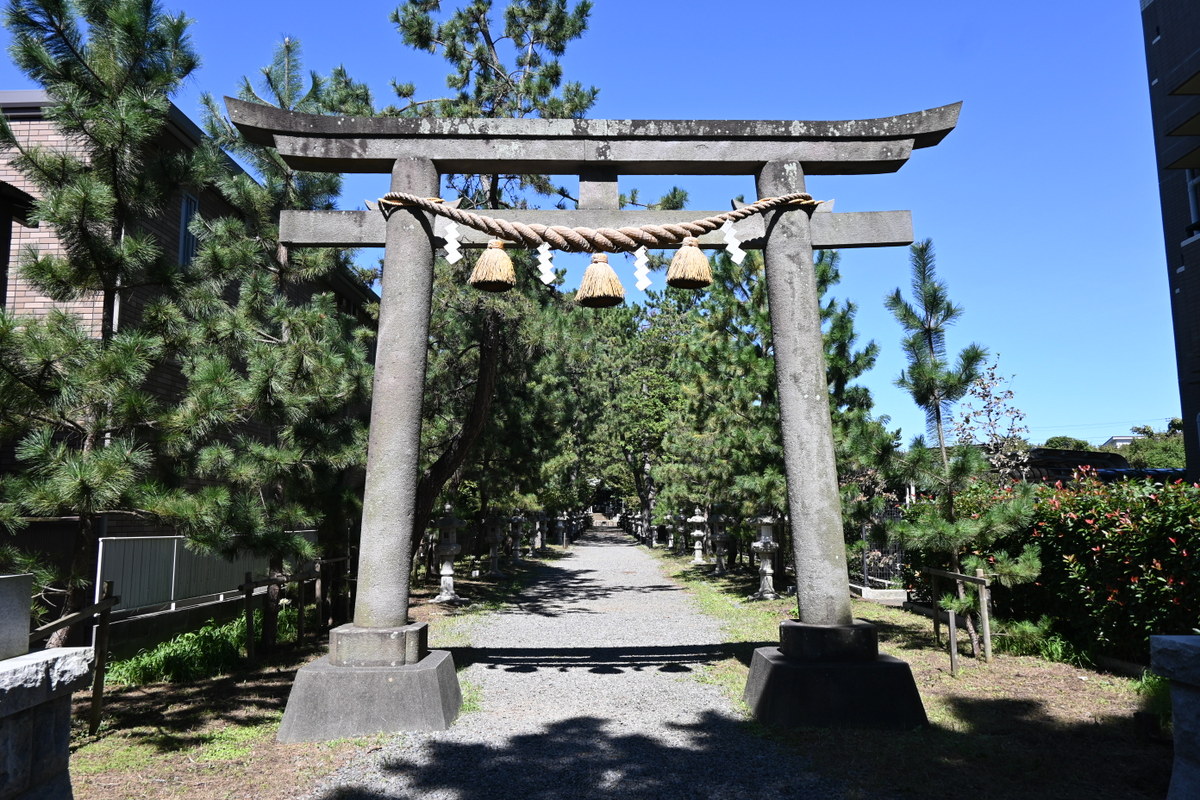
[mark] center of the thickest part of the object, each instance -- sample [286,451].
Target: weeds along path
[590,686]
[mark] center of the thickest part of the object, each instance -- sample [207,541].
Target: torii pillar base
[832,676]
[374,680]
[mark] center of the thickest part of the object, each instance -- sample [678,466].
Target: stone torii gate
[380,674]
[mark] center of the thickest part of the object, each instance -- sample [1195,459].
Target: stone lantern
[765,546]
[495,527]
[515,534]
[447,548]
[698,532]
[720,538]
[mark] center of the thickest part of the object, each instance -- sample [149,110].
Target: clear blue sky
[1042,205]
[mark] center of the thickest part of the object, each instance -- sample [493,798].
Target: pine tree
[72,395]
[945,523]
[733,393]
[934,383]
[277,378]
[501,68]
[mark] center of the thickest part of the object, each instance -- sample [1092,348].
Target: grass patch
[234,743]
[472,695]
[114,754]
[210,651]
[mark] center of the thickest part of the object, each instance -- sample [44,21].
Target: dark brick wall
[1172,37]
[22,298]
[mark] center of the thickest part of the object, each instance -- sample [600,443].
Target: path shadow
[602,660]
[1008,751]
[591,757]
[556,590]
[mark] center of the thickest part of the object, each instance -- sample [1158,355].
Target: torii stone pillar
[827,671]
[380,675]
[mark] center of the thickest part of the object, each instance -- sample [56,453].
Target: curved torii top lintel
[560,146]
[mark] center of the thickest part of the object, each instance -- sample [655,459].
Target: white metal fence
[159,573]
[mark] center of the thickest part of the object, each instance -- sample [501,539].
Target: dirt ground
[1018,728]
[215,739]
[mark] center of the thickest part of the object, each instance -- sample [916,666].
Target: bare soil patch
[1017,728]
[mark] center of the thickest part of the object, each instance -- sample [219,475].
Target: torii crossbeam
[380,675]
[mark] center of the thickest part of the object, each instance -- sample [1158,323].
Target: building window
[1193,190]
[189,206]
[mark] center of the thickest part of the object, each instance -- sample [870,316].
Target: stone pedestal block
[335,702]
[857,641]
[832,676]
[35,721]
[354,646]
[15,591]
[1177,658]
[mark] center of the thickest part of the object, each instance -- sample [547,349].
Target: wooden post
[101,664]
[300,582]
[248,594]
[937,610]
[319,596]
[985,598]
[953,644]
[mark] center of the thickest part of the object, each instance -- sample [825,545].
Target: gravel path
[588,691]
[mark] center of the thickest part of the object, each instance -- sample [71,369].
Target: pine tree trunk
[270,627]
[961,592]
[491,346]
[76,597]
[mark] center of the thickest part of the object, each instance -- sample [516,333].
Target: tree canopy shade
[1151,449]
[1067,443]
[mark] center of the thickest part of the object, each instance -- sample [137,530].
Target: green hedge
[1119,563]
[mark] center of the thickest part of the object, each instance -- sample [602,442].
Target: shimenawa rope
[587,240]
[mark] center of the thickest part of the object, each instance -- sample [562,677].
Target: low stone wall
[1177,658]
[35,721]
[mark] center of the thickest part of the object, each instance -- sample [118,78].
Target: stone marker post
[1177,658]
[720,539]
[765,546]
[495,528]
[35,702]
[698,522]
[515,536]
[447,548]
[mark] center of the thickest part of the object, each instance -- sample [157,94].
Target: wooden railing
[102,609]
[322,580]
[979,579]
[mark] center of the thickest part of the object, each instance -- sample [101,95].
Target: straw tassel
[689,268]
[494,270]
[600,287]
